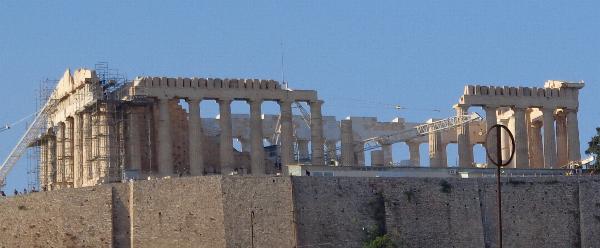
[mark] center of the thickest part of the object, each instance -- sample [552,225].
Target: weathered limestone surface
[542,212]
[186,212]
[412,205]
[333,212]
[65,218]
[258,211]
[216,211]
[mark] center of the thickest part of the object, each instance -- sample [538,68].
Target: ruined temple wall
[180,134]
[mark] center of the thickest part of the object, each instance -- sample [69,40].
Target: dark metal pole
[498,186]
[252,227]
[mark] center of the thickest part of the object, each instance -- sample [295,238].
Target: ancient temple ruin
[100,131]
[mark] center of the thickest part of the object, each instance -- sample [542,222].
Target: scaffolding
[34,160]
[106,157]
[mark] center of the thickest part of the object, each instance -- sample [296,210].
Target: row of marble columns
[73,152]
[558,146]
[353,151]
[257,157]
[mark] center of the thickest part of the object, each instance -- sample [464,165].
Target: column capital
[224,100]
[571,110]
[193,100]
[560,113]
[163,98]
[412,142]
[548,111]
[254,101]
[284,101]
[536,124]
[519,108]
[316,102]
[462,107]
[491,106]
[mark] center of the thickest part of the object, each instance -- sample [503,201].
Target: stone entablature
[555,94]
[73,93]
[216,88]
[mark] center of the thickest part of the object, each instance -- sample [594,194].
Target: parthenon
[100,131]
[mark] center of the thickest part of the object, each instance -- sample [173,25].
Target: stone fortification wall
[428,212]
[414,212]
[186,212]
[215,211]
[536,212]
[258,211]
[66,218]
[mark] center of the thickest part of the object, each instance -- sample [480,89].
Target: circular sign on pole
[496,131]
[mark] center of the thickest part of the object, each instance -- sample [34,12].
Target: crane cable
[8,126]
[377,104]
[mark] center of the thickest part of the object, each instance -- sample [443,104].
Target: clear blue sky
[418,54]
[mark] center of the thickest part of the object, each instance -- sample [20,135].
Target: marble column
[562,154]
[51,162]
[443,155]
[226,138]
[257,150]
[316,132]
[43,166]
[287,137]
[573,135]
[507,147]
[465,149]
[490,120]
[377,158]
[87,148]
[436,149]
[77,151]
[536,151]
[331,150]
[549,139]
[134,144]
[388,160]
[347,143]
[165,143]
[414,153]
[359,148]
[303,150]
[68,152]
[246,146]
[94,149]
[60,154]
[195,149]
[521,138]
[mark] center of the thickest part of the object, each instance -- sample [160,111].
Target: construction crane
[305,115]
[9,126]
[34,130]
[420,130]
[4,128]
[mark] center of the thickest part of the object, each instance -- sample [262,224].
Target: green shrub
[380,242]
